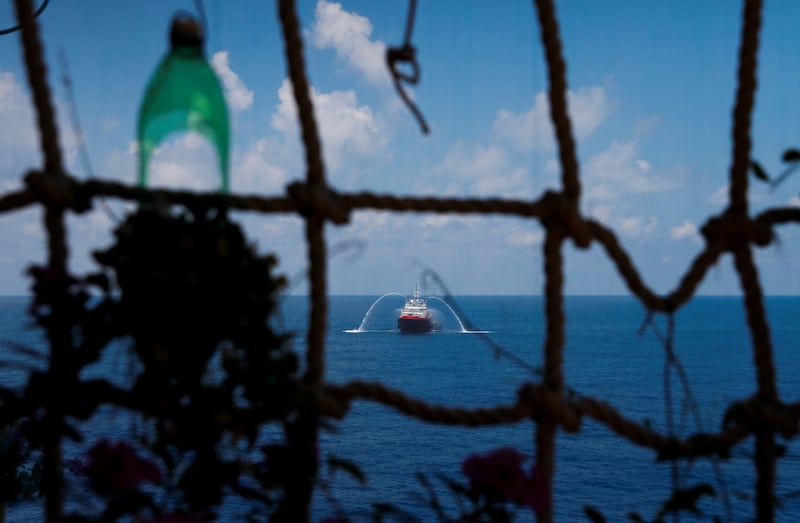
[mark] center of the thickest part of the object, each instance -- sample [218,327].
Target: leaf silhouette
[791,155]
[348,466]
[758,171]
[594,515]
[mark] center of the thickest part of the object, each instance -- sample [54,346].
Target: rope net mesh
[546,403]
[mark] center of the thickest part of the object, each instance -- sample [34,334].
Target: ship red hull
[413,325]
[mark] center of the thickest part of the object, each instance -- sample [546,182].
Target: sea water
[611,353]
[608,355]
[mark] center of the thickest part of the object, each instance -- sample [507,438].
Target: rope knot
[545,404]
[318,201]
[561,212]
[735,230]
[406,54]
[58,191]
[332,401]
[755,413]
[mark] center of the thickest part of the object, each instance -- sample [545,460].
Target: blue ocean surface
[611,354]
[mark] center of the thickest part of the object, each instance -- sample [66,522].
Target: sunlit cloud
[280,227]
[642,227]
[188,162]
[238,96]
[256,171]
[685,230]
[481,170]
[719,197]
[350,132]
[601,212]
[639,228]
[756,193]
[473,161]
[348,34]
[619,171]
[588,108]
[524,237]
[437,220]
[614,178]
[509,182]
[18,148]
[24,242]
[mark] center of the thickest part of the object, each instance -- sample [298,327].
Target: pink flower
[117,468]
[499,474]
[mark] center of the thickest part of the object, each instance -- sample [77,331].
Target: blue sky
[651,95]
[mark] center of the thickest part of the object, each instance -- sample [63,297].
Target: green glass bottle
[183,94]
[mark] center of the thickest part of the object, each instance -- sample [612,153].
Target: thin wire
[19,26]
[785,174]
[498,349]
[667,385]
[668,342]
[354,247]
[77,129]
[201,14]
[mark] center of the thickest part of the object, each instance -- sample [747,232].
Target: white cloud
[473,161]
[640,228]
[348,34]
[508,182]
[686,230]
[255,170]
[19,149]
[349,132]
[617,163]
[280,227]
[437,221]
[794,201]
[601,212]
[588,109]
[756,193]
[524,237]
[618,171]
[382,229]
[238,96]
[32,229]
[93,230]
[188,162]
[719,197]
[480,170]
